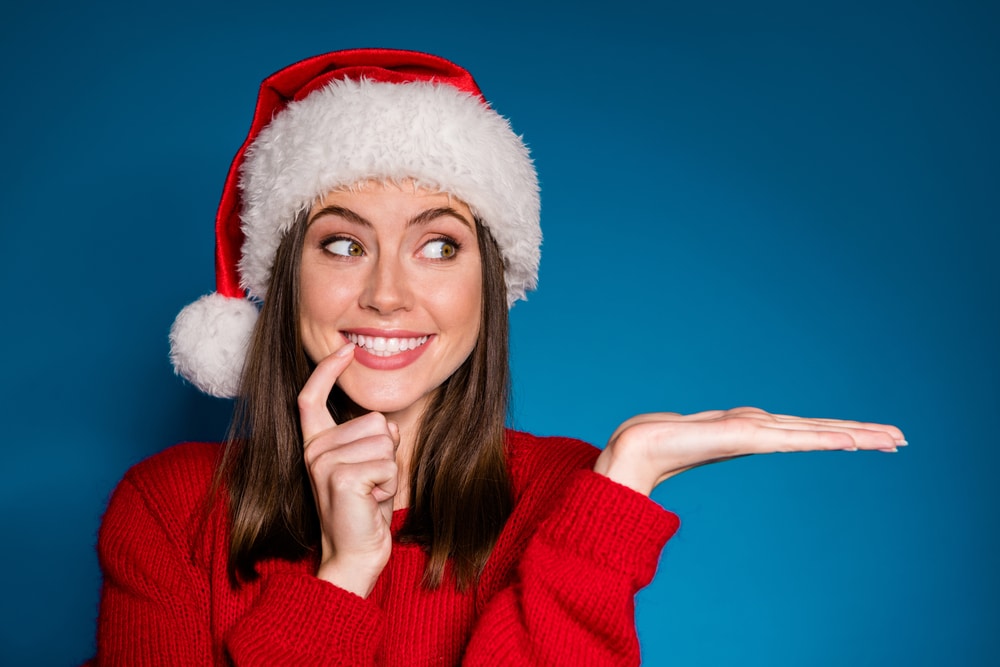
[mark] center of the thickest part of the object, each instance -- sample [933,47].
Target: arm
[154,606]
[300,620]
[570,599]
[165,600]
[354,477]
[324,619]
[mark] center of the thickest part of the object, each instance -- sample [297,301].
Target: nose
[387,286]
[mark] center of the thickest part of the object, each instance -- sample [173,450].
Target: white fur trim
[209,340]
[352,131]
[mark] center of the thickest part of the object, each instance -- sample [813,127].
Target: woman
[369,507]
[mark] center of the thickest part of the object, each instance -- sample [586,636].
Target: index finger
[313,412]
[893,431]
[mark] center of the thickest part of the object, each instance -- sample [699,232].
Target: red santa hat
[336,120]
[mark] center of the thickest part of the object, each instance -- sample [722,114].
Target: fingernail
[901,443]
[890,451]
[344,350]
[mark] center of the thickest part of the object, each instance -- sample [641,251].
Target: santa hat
[336,120]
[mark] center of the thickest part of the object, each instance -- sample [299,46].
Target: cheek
[320,310]
[465,307]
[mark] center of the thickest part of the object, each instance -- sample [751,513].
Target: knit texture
[558,588]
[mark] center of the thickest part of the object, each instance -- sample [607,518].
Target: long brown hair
[460,495]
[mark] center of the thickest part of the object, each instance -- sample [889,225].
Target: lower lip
[393,361]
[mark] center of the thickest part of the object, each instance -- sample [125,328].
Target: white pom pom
[209,340]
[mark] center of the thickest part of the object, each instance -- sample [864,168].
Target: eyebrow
[421,218]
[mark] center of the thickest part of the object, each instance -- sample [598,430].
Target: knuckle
[741,423]
[305,400]
[318,443]
[841,440]
[649,429]
[641,434]
[317,460]
[389,468]
[341,479]
[377,420]
[386,447]
[748,411]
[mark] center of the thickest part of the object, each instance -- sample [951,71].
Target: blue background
[782,204]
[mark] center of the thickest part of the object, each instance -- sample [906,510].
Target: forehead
[391,194]
[392,206]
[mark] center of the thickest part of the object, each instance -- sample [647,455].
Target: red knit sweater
[557,589]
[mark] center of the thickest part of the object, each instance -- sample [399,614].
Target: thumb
[394,434]
[387,505]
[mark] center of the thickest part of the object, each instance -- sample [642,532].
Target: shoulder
[155,544]
[546,460]
[180,472]
[168,492]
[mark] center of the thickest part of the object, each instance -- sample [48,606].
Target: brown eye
[440,249]
[345,248]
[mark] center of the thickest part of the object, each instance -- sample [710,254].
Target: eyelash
[440,239]
[326,242]
[449,241]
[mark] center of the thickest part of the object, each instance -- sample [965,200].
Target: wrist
[359,580]
[620,465]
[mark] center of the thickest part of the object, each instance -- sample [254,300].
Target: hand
[647,449]
[352,468]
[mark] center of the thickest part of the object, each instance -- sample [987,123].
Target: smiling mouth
[380,346]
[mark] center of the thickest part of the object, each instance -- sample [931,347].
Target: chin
[385,406]
[386,402]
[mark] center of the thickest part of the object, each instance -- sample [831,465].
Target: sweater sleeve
[571,598]
[300,621]
[157,602]
[154,608]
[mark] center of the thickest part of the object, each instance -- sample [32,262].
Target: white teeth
[380,346]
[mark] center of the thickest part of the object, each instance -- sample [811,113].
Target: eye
[440,249]
[344,247]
